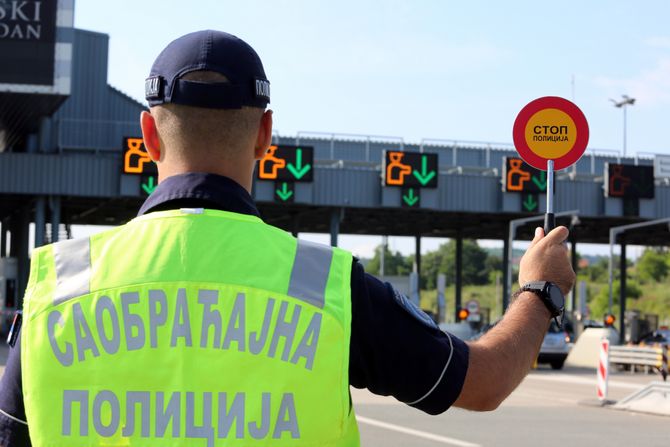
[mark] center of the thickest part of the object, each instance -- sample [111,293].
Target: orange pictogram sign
[270,165]
[396,170]
[285,163]
[135,157]
[410,169]
[618,182]
[516,176]
[629,181]
[520,177]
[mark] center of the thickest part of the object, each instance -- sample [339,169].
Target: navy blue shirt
[394,348]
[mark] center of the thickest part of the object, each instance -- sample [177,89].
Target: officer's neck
[239,172]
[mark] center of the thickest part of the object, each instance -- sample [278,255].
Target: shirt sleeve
[396,350]
[13,425]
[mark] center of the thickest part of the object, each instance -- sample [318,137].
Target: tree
[599,271]
[443,260]
[395,264]
[494,266]
[653,265]
[600,304]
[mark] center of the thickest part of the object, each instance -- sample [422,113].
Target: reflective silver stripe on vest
[310,272]
[73,269]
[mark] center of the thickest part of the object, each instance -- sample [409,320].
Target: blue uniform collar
[200,190]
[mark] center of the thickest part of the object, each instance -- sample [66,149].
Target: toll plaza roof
[93,161]
[372,221]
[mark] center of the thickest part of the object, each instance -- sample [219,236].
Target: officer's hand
[547,260]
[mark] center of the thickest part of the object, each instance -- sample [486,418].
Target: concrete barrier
[586,351]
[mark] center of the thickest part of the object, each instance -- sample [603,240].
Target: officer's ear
[150,135]
[264,137]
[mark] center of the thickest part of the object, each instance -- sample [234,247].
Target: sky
[451,70]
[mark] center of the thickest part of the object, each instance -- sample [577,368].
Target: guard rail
[654,357]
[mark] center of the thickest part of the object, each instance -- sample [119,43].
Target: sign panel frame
[287,163]
[284,192]
[410,197]
[629,181]
[28,42]
[410,169]
[531,179]
[662,166]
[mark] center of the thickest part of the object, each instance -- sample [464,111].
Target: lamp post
[625,101]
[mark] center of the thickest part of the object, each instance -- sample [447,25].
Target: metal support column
[335,217]
[614,232]
[622,292]
[40,220]
[3,239]
[575,267]
[19,247]
[505,272]
[459,275]
[44,135]
[382,256]
[417,255]
[54,204]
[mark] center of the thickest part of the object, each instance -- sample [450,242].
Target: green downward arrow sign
[530,204]
[424,176]
[542,182]
[298,170]
[410,199]
[149,186]
[284,193]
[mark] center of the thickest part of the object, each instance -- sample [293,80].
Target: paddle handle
[549,223]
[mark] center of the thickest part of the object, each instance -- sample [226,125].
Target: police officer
[198,324]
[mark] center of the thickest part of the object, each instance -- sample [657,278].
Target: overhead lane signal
[629,181]
[136,162]
[530,203]
[411,197]
[136,159]
[284,192]
[410,169]
[284,163]
[519,176]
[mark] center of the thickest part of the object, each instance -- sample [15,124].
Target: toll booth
[638,325]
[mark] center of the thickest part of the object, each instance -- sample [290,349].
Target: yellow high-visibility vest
[188,328]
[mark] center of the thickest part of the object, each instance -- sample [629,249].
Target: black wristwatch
[551,296]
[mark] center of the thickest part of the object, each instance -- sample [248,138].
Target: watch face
[556,297]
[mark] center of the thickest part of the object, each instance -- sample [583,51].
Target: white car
[555,347]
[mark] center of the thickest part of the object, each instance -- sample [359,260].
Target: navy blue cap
[211,51]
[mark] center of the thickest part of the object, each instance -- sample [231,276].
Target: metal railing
[71,134]
[634,356]
[343,137]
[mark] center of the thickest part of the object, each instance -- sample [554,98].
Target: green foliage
[443,260]
[600,304]
[647,288]
[653,265]
[394,263]
[599,271]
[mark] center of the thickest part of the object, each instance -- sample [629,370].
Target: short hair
[186,131]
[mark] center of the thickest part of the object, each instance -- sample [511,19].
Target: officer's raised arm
[501,359]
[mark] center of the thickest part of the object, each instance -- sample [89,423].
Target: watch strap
[539,288]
